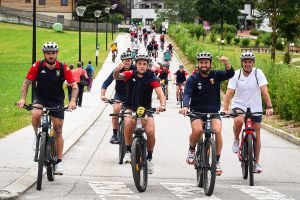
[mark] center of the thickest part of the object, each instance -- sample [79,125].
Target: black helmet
[126,55]
[204,55]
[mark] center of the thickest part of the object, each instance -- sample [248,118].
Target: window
[149,21]
[143,6]
[27,1]
[42,2]
[64,2]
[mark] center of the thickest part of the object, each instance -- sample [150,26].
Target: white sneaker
[235,146]
[218,169]
[59,169]
[150,167]
[34,143]
[127,158]
[191,157]
[178,103]
[257,168]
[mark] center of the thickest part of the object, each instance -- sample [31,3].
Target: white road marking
[262,193]
[187,191]
[108,189]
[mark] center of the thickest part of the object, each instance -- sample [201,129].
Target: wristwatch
[269,107]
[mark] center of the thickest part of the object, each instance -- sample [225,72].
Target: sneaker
[218,169]
[34,143]
[235,146]
[150,167]
[59,170]
[257,168]
[127,158]
[178,103]
[191,157]
[114,139]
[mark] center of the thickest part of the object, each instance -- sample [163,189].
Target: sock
[58,161]
[192,148]
[115,131]
[218,158]
[149,156]
[128,148]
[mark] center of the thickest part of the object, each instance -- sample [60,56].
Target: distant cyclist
[180,78]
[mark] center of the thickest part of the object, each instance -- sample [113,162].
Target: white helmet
[50,46]
[247,55]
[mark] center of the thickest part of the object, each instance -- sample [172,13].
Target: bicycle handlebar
[151,110]
[113,101]
[56,108]
[236,114]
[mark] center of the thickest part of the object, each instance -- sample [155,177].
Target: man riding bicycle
[180,76]
[114,49]
[164,75]
[202,94]
[139,88]
[50,75]
[167,56]
[120,94]
[248,84]
[150,49]
[162,38]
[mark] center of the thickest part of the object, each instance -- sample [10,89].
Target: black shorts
[256,118]
[60,114]
[149,114]
[119,97]
[204,118]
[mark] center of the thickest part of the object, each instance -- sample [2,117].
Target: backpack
[88,70]
[255,75]
[61,69]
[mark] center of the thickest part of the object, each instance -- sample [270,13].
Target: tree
[185,9]
[284,19]
[219,11]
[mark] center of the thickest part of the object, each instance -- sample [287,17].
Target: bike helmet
[126,55]
[50,46]
[181,66]
[204,55]
[247,55]
[142,57]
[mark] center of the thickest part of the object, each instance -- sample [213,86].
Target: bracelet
[163,105]
[269,107]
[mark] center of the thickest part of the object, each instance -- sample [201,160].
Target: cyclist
[164,74]
[114,48]
[139,89]
[170,47]
[126,59]
[152,34]
[202,94]
[135,45]
[155,48]
[248,84]
[180,77]
[150,49]
[162,39]
[50,75]
[196,70]
[167,55]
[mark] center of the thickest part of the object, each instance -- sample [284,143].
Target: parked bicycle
[45,151]
[247,152]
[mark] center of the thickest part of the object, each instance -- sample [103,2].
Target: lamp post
[106,11]
[97,14]
[113,7]
[80,11]
[33,44]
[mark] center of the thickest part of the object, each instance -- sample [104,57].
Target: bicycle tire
[208,186]
[164,89]
[181,99]
[41,160]
[52,158]
[122,146]
[139,164]
[198,165]
[244,161]
[250,160]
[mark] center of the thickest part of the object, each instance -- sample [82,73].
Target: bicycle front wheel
[139,164]
[250,159]
[198,165]
[52,159]
[209,157]
[181,98]
[122,146]
[41,160]
[244,160]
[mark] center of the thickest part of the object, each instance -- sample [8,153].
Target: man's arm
[266,96]
[162,99]
[24,91]
[227,99]
[116,74]
[72,104]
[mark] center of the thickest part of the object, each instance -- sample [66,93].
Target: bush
[266,38]
[287,58]
[254,32]
[279,44]
[236,40]
[227,28]
[245,42]
[199,30]
[213,36]
[58,27]
[228,37]
[257,41]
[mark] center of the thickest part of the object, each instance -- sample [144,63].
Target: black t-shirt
[180,76]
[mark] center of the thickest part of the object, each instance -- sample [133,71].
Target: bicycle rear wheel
[210,166]
[198,166]
[41,160]
[122,146]
[139,164]
[250,159]
[52,159]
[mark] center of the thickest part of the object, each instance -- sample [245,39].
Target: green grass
[15,61]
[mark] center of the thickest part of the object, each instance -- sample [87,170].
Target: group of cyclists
[135,83]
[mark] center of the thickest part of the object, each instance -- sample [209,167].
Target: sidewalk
[17,169]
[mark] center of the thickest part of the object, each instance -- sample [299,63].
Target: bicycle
[180,94]
[122,146]
[114,55]
[162,45]
[155,54]
[45,153]
[247,153]
[163,86]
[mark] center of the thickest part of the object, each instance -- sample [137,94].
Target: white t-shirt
[247,92]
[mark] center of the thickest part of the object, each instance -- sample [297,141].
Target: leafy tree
[185,9]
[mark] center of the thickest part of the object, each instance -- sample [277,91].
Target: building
[47,7]
[144,10]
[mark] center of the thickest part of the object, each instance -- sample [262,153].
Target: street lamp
[33,44]
[97,14]
[106,11]
[80,11]
[219,40]
[292,45]
[113,7]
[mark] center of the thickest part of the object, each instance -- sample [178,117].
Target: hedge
[283,81]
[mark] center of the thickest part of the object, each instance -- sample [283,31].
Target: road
[92,170]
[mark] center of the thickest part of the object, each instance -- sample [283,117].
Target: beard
[50,63]
[204,71]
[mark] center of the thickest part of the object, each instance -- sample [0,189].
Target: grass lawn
[15,61]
